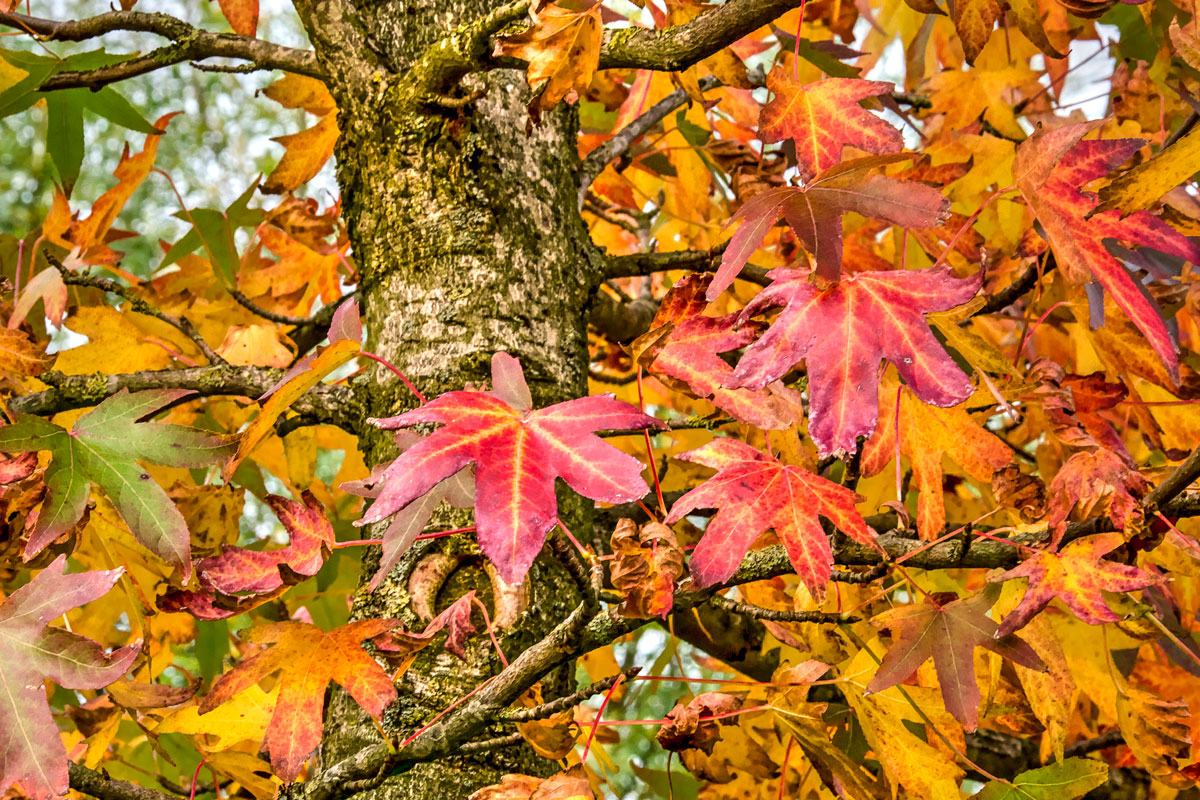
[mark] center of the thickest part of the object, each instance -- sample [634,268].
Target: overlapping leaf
[518,453]
[1077,575]
[927,434]
[948,631]
[683,347]
[755,492]
[308,150]
[823,117]
[1096,480]
[103,448]
[31,750]
[563,51]
[843,331]
[647,562]
[815,213]
[1052,168]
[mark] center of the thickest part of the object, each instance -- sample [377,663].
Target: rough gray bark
[468,242]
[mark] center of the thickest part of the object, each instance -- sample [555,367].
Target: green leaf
[214,230]
[104,448]
[112,106]
[1073,778]
[64,134]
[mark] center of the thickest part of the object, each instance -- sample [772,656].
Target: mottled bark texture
[468,241]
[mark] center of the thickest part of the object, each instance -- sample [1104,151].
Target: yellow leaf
[1138,188]
[245,719]
[332,357]
[563,50]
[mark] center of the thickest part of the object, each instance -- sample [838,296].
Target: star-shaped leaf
[518,453]
[104,448]
[562,48]
[823,117]
[843,331]
[307,659]
[1051,168]
[31,750]
[947,632]
[1078,575]
[755,492]
[815,213]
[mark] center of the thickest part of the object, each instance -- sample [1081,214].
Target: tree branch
[622,140]
[639,264]
[138,304]
[189,43]
[332,405]
[570,701]
[100,786]
[774,615]
[1175,483]
[677,48]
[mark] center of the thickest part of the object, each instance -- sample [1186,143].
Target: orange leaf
[823,117]
[646,564]
[242,15]
[563,51]
[308,658]
[308,150]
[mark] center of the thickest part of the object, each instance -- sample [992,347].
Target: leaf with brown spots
[1095,482]
[647,562]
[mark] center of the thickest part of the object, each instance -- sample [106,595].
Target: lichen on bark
[468,242]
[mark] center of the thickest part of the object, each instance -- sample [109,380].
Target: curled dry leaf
[569,785]
[1024,493]
[692,727]
[647,562]
[1096,482]
[1159,734]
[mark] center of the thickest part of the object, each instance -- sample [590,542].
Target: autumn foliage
[890,434]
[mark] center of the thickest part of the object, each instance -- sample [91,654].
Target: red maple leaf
[843,331]
[948,631]
[753,492]
[823,117]
[815,214]
[1052,167]
[31,750]
[1077,576]
[518,452]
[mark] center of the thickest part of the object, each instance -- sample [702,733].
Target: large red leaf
[842,332]
[1078,576]
[753,492]
[815,214]
[518,453]
[947,632]
[1052,167]
[823,117]
[31,750]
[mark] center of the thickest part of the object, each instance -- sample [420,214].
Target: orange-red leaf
[1052,167]
[518,453]
[823,117]
[242,15]
[1093,480]
[563,51]
[1077,576]
[842,333]
[755,492]
[307,659]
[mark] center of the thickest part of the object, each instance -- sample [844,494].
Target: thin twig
[570,701]
[138,304]
[772,615]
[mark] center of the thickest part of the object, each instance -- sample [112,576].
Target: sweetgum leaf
[843,331]
[104,448]
[1078,575]
[755,492]
[815,213]
[1051,167]
[31,750]
[307,659]
[823,117]
[948,634]
[518,453]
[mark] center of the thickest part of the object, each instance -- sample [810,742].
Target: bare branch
[679,47]
[620,321]
[697,260]
[99,785]
[332,405]
[563,703]
[138,304]
[189,43]
[622,140]
[772,615]
[1176,482]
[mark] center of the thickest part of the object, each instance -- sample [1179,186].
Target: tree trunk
[468,241]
